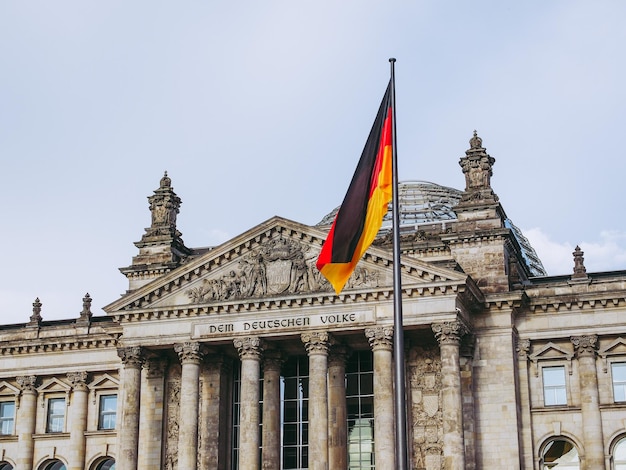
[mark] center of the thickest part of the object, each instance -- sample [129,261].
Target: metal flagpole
[398,330]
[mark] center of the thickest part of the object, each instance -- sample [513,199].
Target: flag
[361,213]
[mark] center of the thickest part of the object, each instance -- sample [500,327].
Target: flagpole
[398,330]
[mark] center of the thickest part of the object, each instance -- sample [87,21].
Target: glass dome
[422,202]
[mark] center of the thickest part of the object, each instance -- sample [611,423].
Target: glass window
[618,371]
[561,455]
[107,464]
[554,392]
[294,391]
[619,455]
[108,412]
[54,465]
[56,417]
[5,466]
[7,418]
[360,408]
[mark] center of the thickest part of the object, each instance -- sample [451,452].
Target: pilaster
[25,422]
[128,435]
[78,420]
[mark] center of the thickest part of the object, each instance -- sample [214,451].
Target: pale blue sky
[261,108]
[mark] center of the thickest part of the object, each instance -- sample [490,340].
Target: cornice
[38,346]
[467,288]
[555,304]
[506,300]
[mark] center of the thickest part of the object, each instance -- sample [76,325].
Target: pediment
[104,382]
[550,351]
[615,348]
[8,389]
[53,385]
[276,259]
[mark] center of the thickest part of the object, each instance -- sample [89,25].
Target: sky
[262,108]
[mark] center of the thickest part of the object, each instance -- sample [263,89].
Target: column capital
[273,360]
[449,332]
[218,362]
[131,356]
[27,383]
[250,347]
[585,345]
[78,380]
[380,337]
[190,352]
[316,342]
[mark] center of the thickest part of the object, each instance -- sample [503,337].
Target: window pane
[561,455]
[554,391]
[618,370]
[56,416]
[7,413]
[108,412]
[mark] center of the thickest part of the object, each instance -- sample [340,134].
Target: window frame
[554,388]
[49,415]
[102,414]
[615,383]
[5,419]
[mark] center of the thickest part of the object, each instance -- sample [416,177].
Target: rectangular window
[56,415]
[618,371]
[360,409]
[554,392]
[108,412]
[7,417]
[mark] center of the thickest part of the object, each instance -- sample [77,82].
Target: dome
[422,202]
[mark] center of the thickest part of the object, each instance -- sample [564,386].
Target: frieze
[278,267]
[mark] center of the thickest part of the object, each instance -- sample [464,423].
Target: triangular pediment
[615,348]
[551,351]
[8,389]
[104,382]
[53,385]
[275,259]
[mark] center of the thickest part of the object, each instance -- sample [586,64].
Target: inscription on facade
[283,324]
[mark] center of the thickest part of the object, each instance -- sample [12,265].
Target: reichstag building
[241,357]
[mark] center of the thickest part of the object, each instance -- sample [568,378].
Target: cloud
[607,253]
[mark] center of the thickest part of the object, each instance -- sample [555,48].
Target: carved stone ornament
[250,347]
[190,352]
[316,342]
[155,366]
[173,414]
[131,356]
[280,266]
[585,345]
[477,166]
[580,272]
[449,332]
[380,337]
[27,383]
[523,348]
[78,380]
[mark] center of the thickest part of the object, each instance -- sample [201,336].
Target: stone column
[151,413]
[449,336]
[78,420]
[250,351]
[190,355]
[215,412]
[381,342]
[585,347]
[316,344]
[128,434]
[338,414]
[25,422]
[272,362]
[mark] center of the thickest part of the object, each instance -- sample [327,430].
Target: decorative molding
[131,356]
[585,345]
[449,332]
[27,383]
[316,342]
[78,381]
[190,352]
[380,338]
[250,347]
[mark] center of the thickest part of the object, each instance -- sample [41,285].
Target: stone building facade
[240,356]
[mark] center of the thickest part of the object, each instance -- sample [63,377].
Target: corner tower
[161,248]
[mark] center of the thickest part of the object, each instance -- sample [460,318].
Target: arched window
[5,466]
[106,464]
[53,465]
[560,454]
[619,455]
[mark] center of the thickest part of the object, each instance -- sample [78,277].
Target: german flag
[361,213]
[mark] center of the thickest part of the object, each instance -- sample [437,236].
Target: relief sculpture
[278,267]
